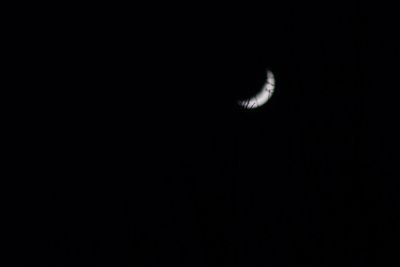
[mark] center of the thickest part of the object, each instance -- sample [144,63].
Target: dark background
[154,163]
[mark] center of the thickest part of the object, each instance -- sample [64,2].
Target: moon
[263,96]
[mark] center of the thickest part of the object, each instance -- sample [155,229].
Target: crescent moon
[263,96]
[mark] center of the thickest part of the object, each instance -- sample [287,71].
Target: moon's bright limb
[263,96]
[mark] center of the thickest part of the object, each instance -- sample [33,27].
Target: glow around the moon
[263,96]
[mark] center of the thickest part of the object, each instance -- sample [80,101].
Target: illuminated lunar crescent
[263,96]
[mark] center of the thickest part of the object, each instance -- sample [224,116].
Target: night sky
[183,176]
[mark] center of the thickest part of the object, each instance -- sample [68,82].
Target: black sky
[184,177]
